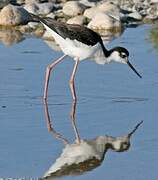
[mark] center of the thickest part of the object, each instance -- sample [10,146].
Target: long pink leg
[71,82]
[48,71]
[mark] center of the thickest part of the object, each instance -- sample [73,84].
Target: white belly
[74,48]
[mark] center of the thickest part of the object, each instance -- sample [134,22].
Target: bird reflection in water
[83,155]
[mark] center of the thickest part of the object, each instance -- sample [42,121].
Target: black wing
[71,31]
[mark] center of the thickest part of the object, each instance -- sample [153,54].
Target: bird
[83,155]
[80,43]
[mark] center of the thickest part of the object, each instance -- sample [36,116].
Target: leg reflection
[73,121]
[50,126]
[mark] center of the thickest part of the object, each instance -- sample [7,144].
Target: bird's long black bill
[136,127]
[130,65]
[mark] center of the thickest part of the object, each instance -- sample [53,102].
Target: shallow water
[112,100]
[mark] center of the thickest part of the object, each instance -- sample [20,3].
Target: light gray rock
[32,8]
[103,21]
[33,25]
[39,8]
[88,3]
[20,2]
[76,20]
[135,15]
[73,8]
[153,1]
[13,15]
[31,1]
[152,12]
[4,3]
[91,12]
[51,15]
[106,7]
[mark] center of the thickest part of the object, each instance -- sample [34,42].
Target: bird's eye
[123,55]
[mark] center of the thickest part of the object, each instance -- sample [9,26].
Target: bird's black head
[123,52]
[121,55]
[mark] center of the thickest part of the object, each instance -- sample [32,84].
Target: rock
[4,3]
[51,15]
[88,3]
[91,12]
[73,8]
[31,1]
[80,20]
[103,21]
[107,7]
[153,1]
[13,15]
[33,25]
[32,8]
[152,12]
[20,2]
[135,15]
[37,8]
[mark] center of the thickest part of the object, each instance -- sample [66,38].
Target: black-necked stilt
[83,155]
[79,43]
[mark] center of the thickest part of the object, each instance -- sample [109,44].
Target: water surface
[112,99]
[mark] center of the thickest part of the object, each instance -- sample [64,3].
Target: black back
[73,31]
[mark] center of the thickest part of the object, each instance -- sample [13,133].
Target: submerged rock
[13,15]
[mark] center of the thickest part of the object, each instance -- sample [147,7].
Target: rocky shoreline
[99,15]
